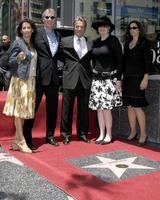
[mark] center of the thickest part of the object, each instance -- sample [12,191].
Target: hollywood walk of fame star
[6,157]
[118,167]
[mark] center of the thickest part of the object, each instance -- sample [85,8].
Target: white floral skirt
[20,100]
[104,95]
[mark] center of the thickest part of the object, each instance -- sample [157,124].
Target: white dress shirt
[80,46]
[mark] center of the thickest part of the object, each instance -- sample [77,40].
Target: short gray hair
[50,10]
[79,18]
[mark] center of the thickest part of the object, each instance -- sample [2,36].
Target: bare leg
[19,128]
[17,137]
[21,143]
[108,124]
[132,122]
[15,141]
[142,124]
[101,123]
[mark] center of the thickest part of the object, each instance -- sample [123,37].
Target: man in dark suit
[47,43]
[76,81]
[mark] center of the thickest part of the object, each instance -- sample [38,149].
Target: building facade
[119,11]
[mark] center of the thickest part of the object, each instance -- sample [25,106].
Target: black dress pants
[69,96]
[51,95]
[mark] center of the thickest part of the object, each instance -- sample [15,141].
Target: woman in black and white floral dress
[106,85]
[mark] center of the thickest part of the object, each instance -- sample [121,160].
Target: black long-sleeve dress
[136,63]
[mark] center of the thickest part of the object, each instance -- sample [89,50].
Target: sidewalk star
[5,157]
[118,167]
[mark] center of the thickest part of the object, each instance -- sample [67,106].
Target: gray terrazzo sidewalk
[17,182]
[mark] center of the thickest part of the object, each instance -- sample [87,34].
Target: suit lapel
[57,36]
[71,45]
[76,54]
[44,35]
[71,42]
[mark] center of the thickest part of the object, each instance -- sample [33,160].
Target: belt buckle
[95,72]
[105,74]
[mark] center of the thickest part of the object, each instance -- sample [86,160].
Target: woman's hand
[20,57]
[144,82]
[118,85]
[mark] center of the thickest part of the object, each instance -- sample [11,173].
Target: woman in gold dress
[20,101]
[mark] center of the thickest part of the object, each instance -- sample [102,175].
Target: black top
[137,61]
[3,49]
[107,55]
[4,57]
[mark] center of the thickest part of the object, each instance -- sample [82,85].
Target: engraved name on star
[118,167]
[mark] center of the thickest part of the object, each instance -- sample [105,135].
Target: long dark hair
[128,37]
[19,28]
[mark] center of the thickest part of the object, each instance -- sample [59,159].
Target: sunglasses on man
[50,17]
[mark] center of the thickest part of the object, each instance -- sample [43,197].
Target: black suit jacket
[74,67]
[47,70]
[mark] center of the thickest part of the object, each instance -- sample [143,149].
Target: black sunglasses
[49,17]
[134,28]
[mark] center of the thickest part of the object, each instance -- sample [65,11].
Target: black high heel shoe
[143,143]
[134,137]
[106,142]
[98,141]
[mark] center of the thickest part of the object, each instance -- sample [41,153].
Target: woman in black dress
[136,67]
[106,84]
